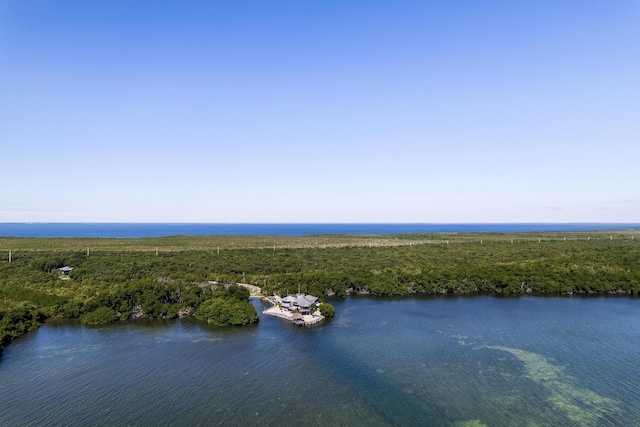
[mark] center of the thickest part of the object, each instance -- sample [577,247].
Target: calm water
[157,230]
[443,361]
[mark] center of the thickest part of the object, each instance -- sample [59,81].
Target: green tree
[327,310]
[226,311]
[238,292]
[99,316]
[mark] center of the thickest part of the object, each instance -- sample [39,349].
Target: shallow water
[441,361]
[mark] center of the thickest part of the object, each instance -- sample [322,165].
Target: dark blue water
[405,362]
[114,230]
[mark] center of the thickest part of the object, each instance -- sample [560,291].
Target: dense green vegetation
[16,319]
[173,276]
[99,316]
[232,310]
[327,310]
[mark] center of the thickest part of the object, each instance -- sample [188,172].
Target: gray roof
[310,298]
[299,301]
[302,302]
[66,268]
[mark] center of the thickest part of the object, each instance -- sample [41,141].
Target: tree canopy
[129,278]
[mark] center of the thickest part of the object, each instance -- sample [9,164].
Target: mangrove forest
[111,280]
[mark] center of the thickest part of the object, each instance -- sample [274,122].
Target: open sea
[442,361]
[115,230]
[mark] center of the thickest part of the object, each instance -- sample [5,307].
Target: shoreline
[275,311]
[309,319]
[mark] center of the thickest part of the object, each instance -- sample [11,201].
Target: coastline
[308,319]
[545,264]
[276,311]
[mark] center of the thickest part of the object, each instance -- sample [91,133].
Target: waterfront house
[300,309]
[301,303]
[288,301]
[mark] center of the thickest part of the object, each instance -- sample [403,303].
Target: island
[106,280]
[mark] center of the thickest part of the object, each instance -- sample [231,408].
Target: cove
[444,361]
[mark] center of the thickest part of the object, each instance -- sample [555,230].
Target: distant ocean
[116,230]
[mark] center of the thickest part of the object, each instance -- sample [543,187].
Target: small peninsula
[301,309]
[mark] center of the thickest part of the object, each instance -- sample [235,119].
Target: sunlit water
[108,230]
[442,361]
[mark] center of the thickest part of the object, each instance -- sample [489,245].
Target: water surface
[440,361]
[132,230]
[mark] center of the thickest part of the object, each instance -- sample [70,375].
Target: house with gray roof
[302,303]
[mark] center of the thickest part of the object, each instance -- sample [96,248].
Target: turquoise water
[440,361]
[111,230]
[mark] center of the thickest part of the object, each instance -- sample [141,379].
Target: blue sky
[320,111]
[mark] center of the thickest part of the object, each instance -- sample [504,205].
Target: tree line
[119,284]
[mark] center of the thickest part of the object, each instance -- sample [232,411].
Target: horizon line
[316,223]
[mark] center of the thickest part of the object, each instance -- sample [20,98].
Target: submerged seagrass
[436,361]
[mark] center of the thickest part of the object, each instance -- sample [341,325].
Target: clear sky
[320,111]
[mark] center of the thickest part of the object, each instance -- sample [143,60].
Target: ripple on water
[469,361]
